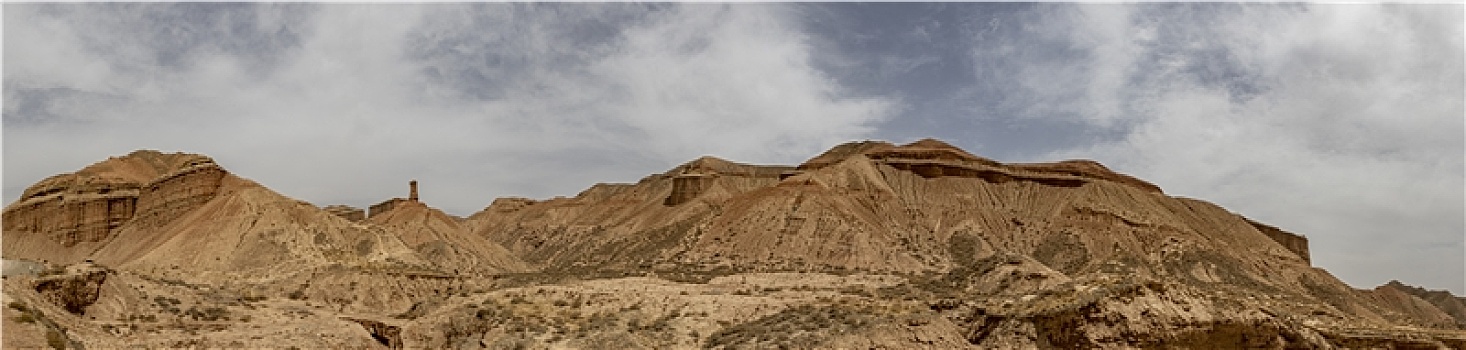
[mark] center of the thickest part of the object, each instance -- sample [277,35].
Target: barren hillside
[869,244]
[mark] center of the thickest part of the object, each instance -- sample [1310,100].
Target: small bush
[55,340]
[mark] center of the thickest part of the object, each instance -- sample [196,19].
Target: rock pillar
[412,195]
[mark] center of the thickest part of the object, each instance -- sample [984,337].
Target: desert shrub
[207,314]
[55,340]
[174,282]
[166,302]
[798,327]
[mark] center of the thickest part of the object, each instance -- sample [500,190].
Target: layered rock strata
[90,204]
[384,206]
[347,212]
[176,193]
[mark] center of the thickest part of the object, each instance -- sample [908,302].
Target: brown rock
[1294,242]
[390,336]
[1443,300]
[88,206]
[347,212]
[74,288]
[384,206]
[443,242]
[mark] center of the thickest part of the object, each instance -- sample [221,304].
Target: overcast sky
[1339,122]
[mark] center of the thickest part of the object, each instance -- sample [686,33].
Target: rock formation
[1449,304]
[74,288]
[89,206]
[389,336]
[347,212]
[384,206]
[1408,308]
[1294,242]
[388,205]
[867,245]
[184,213]
[867,205]
[173,194]
[442,241]
[931,209]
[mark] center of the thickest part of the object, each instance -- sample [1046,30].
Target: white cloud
[1340,122]
[344,103]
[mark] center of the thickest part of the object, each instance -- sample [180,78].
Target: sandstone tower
[412,190]
[387,205]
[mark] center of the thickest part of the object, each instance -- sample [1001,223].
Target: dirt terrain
[868,245]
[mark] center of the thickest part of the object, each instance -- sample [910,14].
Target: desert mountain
[930,210]
[184,214]
[869,244]
[443,241]
[873,206]
[1451,305]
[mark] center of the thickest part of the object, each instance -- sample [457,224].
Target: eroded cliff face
[1294,242]
[176,193]
[88,215]
[347,212]
[89,206]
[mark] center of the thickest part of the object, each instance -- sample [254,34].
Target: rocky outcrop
[691,180]
[1088,169]
[384,206]
[598,191]
[347,212]
[685,187]
[1445,301]
[388,335]
[174,194]
[90,204]
[74,288]
[930,158]
[388,205]
[1294,242]
[85,215]
[1405,308]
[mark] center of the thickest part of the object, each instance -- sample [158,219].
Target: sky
[1341,122]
